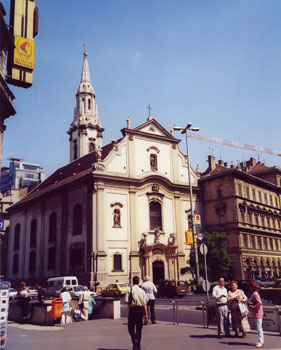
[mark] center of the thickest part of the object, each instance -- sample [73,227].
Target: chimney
[225,164]
[253,162]
[232,166]
[221,162]
[197,170]
[212,162]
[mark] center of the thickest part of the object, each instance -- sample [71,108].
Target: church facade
[113,212]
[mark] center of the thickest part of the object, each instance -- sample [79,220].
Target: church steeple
[85,131]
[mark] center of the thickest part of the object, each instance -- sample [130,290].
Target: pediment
[153,127]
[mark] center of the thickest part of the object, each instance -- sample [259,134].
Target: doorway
[158,271]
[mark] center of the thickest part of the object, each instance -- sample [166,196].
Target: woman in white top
[66,299]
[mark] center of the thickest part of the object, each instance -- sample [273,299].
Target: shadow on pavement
[110,349]
[238,343]
[204,336]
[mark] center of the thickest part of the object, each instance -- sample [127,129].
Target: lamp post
[184,131]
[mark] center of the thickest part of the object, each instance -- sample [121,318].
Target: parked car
[55,284]
[244,285]
[272,293]
[171,289]
[115,290]
[75,291]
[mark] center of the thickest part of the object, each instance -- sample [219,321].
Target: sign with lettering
[24,52]
[197,220]
[271,319]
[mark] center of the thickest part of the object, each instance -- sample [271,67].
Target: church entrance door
[158,271]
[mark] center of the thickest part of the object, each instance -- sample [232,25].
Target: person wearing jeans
[151,292]
[255,304]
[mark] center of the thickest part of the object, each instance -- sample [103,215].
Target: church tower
[85,132]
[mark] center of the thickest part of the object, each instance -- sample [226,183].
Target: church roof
[67,174]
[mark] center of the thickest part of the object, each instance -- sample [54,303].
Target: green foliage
[218,261]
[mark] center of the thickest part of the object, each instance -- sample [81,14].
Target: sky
[215,63]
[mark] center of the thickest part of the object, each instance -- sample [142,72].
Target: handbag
[81,306]
[243,309]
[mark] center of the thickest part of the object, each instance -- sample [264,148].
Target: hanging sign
[188,237]
[197,220]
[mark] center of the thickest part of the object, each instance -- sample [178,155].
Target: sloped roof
[218,168]
[258,167]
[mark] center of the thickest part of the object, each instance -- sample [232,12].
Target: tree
[218,261]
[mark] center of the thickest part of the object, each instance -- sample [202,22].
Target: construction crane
[242,145]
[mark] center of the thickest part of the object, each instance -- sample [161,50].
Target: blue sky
[214,63]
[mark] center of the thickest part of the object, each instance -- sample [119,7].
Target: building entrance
[158,271]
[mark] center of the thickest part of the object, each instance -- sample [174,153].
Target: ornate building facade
[114,212]
[244,202]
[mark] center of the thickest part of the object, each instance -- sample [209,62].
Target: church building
[115,211]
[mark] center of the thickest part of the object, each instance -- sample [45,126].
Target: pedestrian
[91,308]
[136,300]
[151,292]
[255,304]
[39,300]
[66,299]
[220,294]
[84,303]
[237,299]
[24,295]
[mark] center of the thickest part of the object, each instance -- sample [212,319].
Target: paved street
[108,334]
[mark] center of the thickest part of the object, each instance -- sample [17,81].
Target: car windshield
[122,285]
[77,288]
[181,283]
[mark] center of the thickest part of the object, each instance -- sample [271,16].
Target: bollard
[174,312]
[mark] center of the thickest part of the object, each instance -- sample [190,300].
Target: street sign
[206,285]
[203,249]
[200,236]
[197,220]
[188,237]
[1,224]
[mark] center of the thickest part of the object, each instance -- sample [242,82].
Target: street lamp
[184,131]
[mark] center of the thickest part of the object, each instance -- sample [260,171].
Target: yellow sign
[189,237]
[24,52]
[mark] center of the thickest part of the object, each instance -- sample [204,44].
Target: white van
[55,284]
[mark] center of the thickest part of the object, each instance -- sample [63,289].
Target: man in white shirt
[151,292]
[220,294]
[136,300]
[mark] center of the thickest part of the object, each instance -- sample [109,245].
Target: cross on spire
[85,49]
[149,109]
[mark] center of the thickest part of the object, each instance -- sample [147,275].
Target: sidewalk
[108,334]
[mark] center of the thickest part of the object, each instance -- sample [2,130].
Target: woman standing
[255,304]
[24,294]
[239,322]
[66,299]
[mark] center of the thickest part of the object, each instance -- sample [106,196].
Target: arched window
[53,227]
[33,233]
[92,147]
[32,261]
[153,162]
[17,237]
[77,220]
[75,150]
[155,215]
[51,258]
[89,104]
[15,263]
[117,262]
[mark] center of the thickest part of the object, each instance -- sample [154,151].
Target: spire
[85,76]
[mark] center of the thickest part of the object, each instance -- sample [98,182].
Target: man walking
[151,292]
[136,300]
[220,294]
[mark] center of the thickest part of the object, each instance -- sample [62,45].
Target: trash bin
[56,308]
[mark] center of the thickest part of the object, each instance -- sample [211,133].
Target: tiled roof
[217,169]
[258,167]
[69,173]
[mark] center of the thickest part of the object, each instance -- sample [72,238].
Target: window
[33,233]
[242,215]
[15,263]
[265,198]
[260,199]
[247,192]
[262,220]
[254,194]
[276,202]
[117,262]
[155,215]
[77,220]
[245,237]
[219,191]
[53,227]
[92,147]
[250,217]
[51,258]
[32,261]
[271,200]
[259,243]
[239,190]
[17,237]
[268,221]
[153,162]
[253,242]
[257,219]
[75,150]
[265,243]
[116,218]
[89,104]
